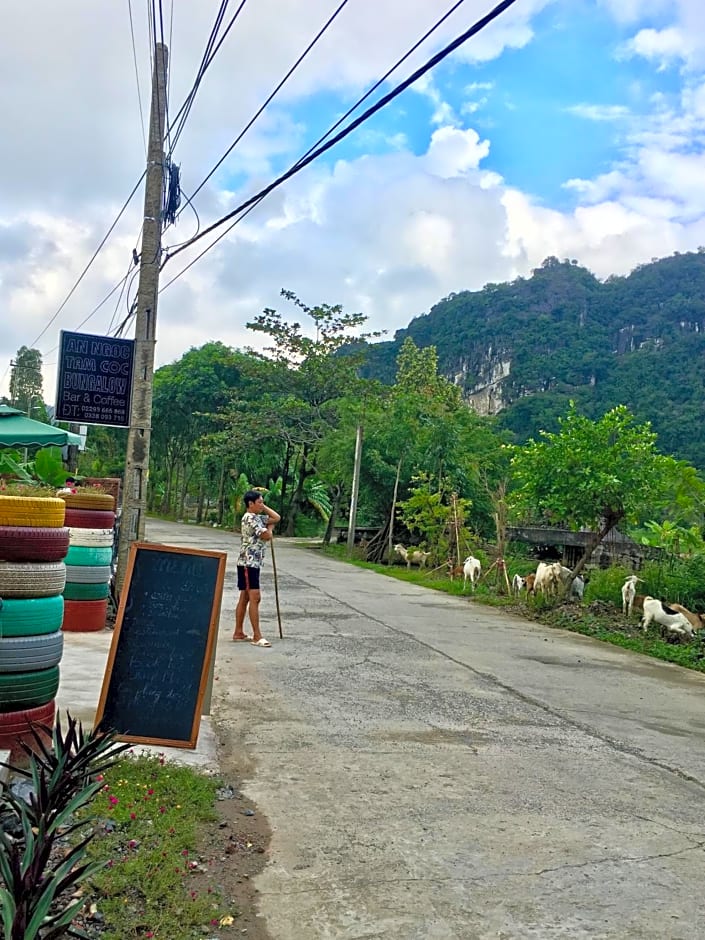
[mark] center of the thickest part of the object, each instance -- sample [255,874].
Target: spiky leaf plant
[37,886]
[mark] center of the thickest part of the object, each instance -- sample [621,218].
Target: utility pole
[134,495]
[355,488]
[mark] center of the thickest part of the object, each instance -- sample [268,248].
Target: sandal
[261,642]
[242,639]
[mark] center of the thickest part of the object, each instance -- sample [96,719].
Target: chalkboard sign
[162,645]
[94,385]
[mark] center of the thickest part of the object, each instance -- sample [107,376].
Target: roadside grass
[597,618]
[146,820]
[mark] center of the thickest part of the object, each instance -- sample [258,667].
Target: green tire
[31,616]
[20,690]
[80,555]
[77,591]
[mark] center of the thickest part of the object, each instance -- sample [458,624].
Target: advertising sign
[94,384]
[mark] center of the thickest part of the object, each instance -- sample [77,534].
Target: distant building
[568,546]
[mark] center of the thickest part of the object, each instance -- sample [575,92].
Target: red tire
[84,616]
[89,518]
[33,543]
[15,727]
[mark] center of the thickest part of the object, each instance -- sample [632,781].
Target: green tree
[590,474]
[26,385]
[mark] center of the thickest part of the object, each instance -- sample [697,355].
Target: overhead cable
[92,259]
[386,99]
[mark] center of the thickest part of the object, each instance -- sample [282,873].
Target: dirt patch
[232,850]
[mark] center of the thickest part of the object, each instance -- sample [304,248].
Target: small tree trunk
[221,493]
[390,536]
[337,496]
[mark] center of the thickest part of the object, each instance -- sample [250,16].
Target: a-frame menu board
[162,646]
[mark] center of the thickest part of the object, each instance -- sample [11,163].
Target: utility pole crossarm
[134,499]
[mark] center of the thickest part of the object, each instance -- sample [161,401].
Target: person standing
[256,530]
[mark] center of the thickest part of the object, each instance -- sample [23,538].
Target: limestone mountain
[522,350]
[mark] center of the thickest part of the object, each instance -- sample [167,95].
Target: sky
[573,128]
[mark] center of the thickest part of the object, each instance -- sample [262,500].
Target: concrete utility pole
[134,496]
[355,488]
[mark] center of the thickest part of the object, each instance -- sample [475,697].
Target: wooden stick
[276,588]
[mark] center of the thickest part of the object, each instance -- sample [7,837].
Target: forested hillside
[522,350]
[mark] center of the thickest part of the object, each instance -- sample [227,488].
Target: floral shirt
[253,548]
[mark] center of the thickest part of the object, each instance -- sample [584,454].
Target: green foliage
[36,900]
[590,474]
[148,813]
[427,514]
[26,386]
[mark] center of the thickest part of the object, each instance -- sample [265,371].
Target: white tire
[94,538]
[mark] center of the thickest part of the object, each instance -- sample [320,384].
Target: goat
[518,584]
[673,620]
[472,569]
[529,581]
[548,578]
[628,594]
[412,556]
[577,587]
[696,620]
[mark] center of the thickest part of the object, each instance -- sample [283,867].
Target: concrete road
[435,769]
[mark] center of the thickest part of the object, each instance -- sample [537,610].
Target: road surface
[433,769]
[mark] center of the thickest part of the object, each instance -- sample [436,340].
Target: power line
[273,94]
[386,99]
[93,257]
[137,75]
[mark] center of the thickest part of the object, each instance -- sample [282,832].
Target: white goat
[412,555]
[472,569]
[628,594]
[696,620]
[548,578]
[673,620]
[577,588]
[518,584]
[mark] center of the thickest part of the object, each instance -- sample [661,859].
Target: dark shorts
[247,578]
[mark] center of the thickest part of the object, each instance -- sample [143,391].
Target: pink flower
[162,809]
[133,815]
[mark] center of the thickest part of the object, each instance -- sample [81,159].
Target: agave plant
[35,899]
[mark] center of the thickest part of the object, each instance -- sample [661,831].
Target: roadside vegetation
[103,845]
[599,616]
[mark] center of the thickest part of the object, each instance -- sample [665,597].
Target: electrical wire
[382,102]
[137,77]
[92,259]
[207,59]
[273,94]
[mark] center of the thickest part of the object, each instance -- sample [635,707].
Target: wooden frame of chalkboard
[162,645]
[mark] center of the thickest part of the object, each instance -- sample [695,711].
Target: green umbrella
[17,430]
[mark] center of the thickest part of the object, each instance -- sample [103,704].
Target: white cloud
[599,112]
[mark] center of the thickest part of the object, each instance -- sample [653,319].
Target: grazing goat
[577,588]
[628,594]
[673,620]
[518,584]
[472,569]
[548,578]
[413,556]
[529,581]
[696,620]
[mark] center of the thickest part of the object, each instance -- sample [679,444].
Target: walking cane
[276,588]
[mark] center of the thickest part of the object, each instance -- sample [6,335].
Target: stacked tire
[33,544]
[90,518]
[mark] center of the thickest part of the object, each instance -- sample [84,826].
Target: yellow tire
[32,511]
[85,499]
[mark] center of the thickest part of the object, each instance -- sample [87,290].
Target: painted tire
[76,591]
[88,574]
[91,538]
[31,616]
[23,653]
[85,616]
[28,543]
[87,500]
[89,518]
[28,689]
[15,726]
[32,511]
[79,556]
[32,578]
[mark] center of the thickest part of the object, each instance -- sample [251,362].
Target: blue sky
[573,128]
